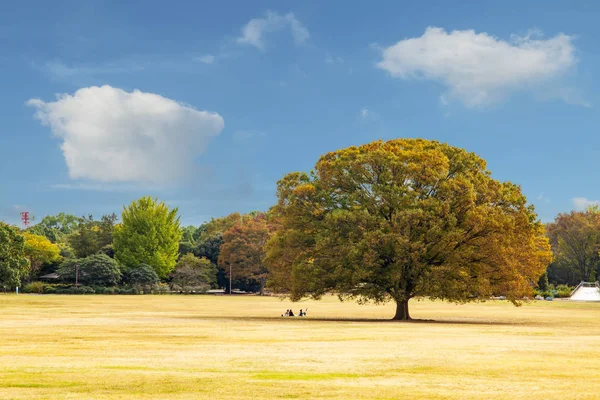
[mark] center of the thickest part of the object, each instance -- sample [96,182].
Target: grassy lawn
[209,347]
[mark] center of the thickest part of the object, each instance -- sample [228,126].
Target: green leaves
[149,233]
[14,266]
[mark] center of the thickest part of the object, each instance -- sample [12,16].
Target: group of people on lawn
[290,313]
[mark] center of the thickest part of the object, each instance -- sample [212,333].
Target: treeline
[146,251]
[575,241]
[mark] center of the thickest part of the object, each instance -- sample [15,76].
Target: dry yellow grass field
[209,347]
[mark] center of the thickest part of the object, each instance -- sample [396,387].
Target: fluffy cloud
[479,69]
[581,203]
[110,135]
[254,31]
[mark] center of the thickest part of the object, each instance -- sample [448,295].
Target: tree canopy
[192,271]
[14,265]
[98,269]
[91,236]
[55,227]
[40,250]
[575,240]
[149,234]
[404,218]
[143,274]
[243,250]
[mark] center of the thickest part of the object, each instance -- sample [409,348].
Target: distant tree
[220,225]
[209,246]
[543,283]
[186,248]
[98,269]
[39,250]
[193,271]
[243,250]
[190,234]
[142,275]
[55,227]
[404,218]
[91,236]
[14,266]
[575,241]
[149,234]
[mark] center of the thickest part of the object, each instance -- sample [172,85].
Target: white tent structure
[586,291]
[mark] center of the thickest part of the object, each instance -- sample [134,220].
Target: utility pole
[230,288]
[76,275]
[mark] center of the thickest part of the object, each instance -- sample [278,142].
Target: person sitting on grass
[287,312]
[291,314]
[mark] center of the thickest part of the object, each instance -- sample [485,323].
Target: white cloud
[364,113]
[479,69]
[207,59]
[110,135]
[254,31]
[581,203]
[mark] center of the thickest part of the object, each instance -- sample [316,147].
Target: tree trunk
[262,286]
[402,311]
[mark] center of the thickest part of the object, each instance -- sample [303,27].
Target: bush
[68,289]
[98,269]
[563,291]
[143,275]
[55,288]
[109,290]
[99,289]
[35,287]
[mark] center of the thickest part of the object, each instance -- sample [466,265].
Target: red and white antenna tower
[25,219]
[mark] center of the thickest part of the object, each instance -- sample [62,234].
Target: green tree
[575,240]
[243,250]
[192,271]
[149,234]
[400,219]
[143,275]
[14,266]
[98,269]
[91,236]
[55,227]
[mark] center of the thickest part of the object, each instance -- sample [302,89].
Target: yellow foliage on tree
[39,250]
[404,218]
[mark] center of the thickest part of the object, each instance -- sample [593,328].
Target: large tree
[400,219]
[149,234]
[14,266]
[575,240]
[39,250]
[243,250]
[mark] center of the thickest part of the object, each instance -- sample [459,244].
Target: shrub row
[47,288]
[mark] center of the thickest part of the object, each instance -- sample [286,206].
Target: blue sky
[207,104]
